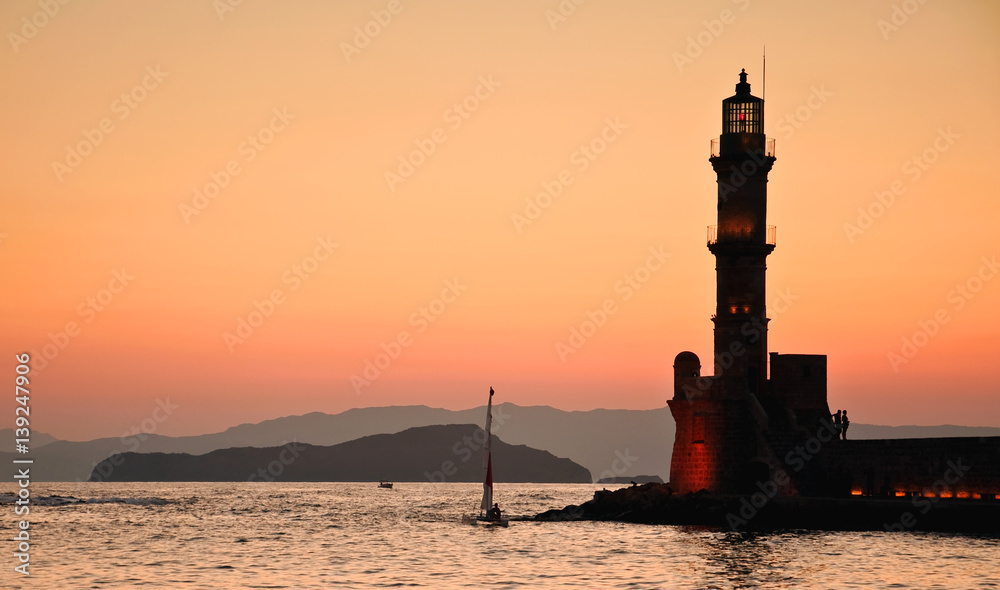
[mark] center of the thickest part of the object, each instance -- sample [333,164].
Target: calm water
[356,536]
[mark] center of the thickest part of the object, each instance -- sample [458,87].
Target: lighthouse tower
[741,241]
[720,442]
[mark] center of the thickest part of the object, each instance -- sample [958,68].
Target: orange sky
[294,123]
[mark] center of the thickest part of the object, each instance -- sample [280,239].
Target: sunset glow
[268,210]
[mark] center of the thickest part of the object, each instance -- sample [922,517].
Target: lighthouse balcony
[736,233]
[743,143]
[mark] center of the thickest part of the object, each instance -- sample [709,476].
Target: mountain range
[425,453]
[610,443]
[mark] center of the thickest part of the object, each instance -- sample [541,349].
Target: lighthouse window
[698,430]
[742,117]
[738,306]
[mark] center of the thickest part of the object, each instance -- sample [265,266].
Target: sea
[355,535]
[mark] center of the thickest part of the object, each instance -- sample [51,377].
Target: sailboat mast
[487,502]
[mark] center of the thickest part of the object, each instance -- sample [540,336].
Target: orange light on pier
[945,494]
[962,495]
[900,494]
[855,492]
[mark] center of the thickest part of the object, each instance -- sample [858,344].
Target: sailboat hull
[483,521]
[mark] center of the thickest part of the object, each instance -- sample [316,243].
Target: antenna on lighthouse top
[763,86]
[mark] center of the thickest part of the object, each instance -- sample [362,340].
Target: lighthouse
[742,156]
[721,422]
[759,426]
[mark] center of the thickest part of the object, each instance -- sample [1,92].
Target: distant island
[449,453]
[635,479]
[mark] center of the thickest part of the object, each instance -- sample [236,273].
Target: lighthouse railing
[739,233]
[769,147]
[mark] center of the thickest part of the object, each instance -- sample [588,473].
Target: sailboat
[489,514]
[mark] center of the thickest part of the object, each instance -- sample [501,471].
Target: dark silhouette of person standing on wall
[836,421]
[844,423]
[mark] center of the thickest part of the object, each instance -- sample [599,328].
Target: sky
[218,212]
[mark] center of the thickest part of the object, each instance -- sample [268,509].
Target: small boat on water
[385,484]
[489,512]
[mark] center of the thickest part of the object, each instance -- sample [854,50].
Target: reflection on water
[357,536]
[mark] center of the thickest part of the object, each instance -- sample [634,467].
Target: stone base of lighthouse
[716,445]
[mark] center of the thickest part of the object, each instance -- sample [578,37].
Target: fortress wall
[799,381]
[693,464]
[714,447]
[939,467]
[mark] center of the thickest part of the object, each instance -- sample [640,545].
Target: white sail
[487,502]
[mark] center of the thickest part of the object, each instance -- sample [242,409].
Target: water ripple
[306,536]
